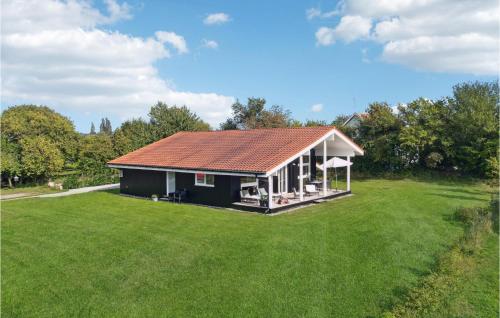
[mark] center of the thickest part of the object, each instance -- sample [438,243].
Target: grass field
[101,254]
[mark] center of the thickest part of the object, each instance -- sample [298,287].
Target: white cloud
[349,29]
[312,13]
[216,18]
[446,54]
[177,41]
[118,11]
[364,56]
[433,35]
[56,54]
[209,44]
[316,108]
[325,36]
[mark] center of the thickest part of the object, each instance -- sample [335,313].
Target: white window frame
[204,184]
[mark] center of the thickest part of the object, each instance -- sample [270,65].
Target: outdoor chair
[182,195]
[311,189]
[168,197]
[246,196]
[263,192]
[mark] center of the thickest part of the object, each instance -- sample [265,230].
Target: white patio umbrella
[335,162]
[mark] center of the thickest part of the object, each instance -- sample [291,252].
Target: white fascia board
[356,148]
[342,153]
[186,171]
[305,150]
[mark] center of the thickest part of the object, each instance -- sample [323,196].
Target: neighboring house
[237,168]
[355,120]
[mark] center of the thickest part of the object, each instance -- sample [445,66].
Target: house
[355,120]
[238,168]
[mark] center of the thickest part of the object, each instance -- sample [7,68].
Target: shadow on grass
[112,191]
[466,191]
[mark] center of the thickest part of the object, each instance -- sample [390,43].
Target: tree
[474,126]
[254,115]
[92,129]
[275,117]
[105,126]
[10,163]
[424,132]
[132,134]
[95,152]
[30,121]
[167,120]
[40,157]
[315,123]
[340,120]
[379,136]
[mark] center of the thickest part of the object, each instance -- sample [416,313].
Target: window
[248,182]
[203,179]
[121,173]
[209,179]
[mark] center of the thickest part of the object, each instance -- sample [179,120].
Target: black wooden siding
[225,191]
[145,183]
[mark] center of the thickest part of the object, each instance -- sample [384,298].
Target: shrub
[466,215]
[495,209]
[433,160]
[492,168]
[71,182]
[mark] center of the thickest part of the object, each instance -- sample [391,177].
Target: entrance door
[170,182]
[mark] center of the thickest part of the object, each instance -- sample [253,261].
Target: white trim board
[237,174]
[305,150]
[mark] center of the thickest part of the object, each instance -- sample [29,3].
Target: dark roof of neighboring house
[253,151]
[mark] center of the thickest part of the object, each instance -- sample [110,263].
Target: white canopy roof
[335,162]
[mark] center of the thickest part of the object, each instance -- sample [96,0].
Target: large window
[203,179]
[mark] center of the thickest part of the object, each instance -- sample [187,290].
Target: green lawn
[101,254]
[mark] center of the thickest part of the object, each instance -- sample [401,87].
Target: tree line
[458,133]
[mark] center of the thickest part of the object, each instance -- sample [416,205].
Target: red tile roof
[254,151]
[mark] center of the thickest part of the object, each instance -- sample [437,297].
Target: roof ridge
[256,129]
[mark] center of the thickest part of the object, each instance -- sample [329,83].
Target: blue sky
[277,50]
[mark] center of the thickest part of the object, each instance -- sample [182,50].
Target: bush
[467,215]
[433,160]
[71,182]
[492,168]
[495,209]
[477,221]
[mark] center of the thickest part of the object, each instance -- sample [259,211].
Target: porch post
[348,174]
[279,180]
[286,179]
[270,191]
[324,168]
[301,180]
[166,180]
